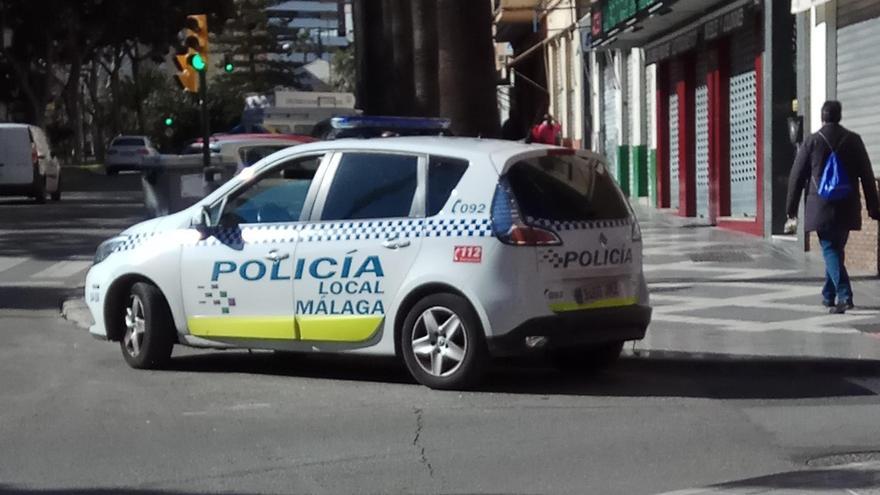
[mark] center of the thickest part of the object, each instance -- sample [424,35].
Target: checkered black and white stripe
[551,256]
[375,229]
[458,227]
[585,225]
[133,241]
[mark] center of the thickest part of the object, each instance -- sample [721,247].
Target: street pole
[206,128]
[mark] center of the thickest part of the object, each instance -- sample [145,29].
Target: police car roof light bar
[361,122]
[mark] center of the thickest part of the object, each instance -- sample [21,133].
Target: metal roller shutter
[609,114]
[858,77]
[850,12]
[675,74]
[701,103]
[743,125]
[651,123]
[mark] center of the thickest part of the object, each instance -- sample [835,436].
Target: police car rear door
[598,261]
[364,237]
[237,283]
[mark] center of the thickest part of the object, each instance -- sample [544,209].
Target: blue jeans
[837,286]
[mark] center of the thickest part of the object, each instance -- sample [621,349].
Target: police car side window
[278,195]
[372,185]
[443,175]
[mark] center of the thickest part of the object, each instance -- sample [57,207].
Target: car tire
[112,171]
[438,352]
[587,359]
[148,328]
[39,193]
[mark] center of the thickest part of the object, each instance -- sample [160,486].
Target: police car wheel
[442,343]
[587,359]
[147,337]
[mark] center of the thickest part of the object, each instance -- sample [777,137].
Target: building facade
[325,24]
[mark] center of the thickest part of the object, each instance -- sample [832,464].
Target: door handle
[395,243]
[275,256]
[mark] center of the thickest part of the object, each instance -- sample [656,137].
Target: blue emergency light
[401,123]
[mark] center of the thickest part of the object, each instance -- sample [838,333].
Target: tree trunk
[466,66]
[427,90]
[136,80]
[98,114]
[374,62]
[402,38]
[71,104]
[386,74]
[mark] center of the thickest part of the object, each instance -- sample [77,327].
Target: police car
[441,251]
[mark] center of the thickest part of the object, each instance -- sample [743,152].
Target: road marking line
[9,262]
[872,384]
[62,270]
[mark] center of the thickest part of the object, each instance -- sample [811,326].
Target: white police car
[442,251]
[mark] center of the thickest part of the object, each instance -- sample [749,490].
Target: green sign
[615,12]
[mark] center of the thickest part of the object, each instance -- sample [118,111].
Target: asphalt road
[75,419]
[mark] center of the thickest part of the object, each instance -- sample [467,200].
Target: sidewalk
[723,293]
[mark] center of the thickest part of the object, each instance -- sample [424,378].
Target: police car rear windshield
[565,188]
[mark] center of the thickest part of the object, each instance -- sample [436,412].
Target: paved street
[742,380]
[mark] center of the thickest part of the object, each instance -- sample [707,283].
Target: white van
[27,165]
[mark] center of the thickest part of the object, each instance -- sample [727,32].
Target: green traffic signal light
[197,62]
[169,121]
[229,67]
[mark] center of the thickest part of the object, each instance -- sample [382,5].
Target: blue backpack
[834,184]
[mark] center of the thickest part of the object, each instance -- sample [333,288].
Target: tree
[343,70]
[466,64]
[427,90]
[400,17]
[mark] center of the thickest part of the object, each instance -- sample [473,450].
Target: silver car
[128,153]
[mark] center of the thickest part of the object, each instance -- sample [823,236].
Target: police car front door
[354,256]
[237,283]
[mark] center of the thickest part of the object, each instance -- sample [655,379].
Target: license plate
[600,290]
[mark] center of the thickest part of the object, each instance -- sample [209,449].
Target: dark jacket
[821,215]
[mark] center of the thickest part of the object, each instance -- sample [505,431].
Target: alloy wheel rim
[135,326]
[439,341]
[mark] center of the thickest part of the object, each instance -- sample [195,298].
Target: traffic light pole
[206,128]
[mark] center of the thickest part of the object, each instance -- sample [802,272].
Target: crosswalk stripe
[8,262]
[62,269]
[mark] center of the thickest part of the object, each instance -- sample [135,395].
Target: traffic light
[194,58]
[169,121]
[228,64]
[197,40]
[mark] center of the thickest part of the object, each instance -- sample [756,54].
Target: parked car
[128,153]
[440,251]
[28,167]
[246,149]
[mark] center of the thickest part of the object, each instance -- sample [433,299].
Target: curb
[76,312]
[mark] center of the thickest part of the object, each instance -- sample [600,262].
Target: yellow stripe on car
[244,327]
[338,328]
[602,303]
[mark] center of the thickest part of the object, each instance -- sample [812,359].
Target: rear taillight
[143,151]
[526,235]
[35,155]
[509,226]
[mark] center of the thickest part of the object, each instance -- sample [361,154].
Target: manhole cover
[845,458]
[720,257]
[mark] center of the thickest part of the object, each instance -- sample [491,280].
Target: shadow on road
[824,480]
[632,377]
[35,298]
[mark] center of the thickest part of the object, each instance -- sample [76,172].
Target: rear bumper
[574,328]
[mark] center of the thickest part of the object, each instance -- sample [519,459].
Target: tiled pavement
[725,293]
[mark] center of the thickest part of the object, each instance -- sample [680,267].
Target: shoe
[850,305]
[838,309]
[827,303]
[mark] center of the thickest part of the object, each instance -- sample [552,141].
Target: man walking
[833,208]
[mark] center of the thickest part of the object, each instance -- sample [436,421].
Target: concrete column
[823,60]
[638,157]
[596,97]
